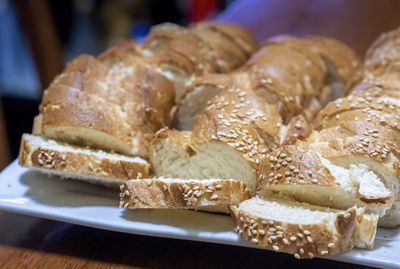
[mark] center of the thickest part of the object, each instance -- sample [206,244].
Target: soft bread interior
[289,211]
[211,160]
[193,104]
[38,141]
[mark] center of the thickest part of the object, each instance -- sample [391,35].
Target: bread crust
[52,160]
[157,193]
[304,241]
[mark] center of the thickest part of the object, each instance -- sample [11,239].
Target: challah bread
[118,112]
[235,131]
[162,193]
[305,230]
[297,75]
[93,166]
[182,54]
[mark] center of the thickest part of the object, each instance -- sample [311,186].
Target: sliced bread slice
[206,194]
[334,178]
[93,166]
[302,229]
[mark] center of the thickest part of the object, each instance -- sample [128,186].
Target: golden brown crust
[183,193]
[82,163]
[298,128]
[383,54]
[293,165]
[343,57]
[304,241]
[126,51]
[239,35]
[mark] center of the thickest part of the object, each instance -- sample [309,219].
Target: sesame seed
[331,245]
[285,241]
[324,252]
[276,248]
[306,232]
[271,222]
[262,232]
[264,222]
[219,186]
[149,181]
[297,256]
[311,255]
[309,239]
[254,232]
[293,238]
[301,251]
[214,196]
[254,240]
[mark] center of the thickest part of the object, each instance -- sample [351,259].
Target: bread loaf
[297,75]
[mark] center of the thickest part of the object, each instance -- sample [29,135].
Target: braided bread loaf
[250,131]
[299,76]
[117,101]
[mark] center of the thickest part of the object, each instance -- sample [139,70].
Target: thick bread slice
[93,166]
[209,153]
[342,181]
[182,193]
[302,229]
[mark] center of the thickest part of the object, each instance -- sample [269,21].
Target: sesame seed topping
[306,232]
[214,196]
[149,181]
[311,255]
[324,252]
[285,241]
[331,245]
[293,238]
[276,248]
[301,251]
[309,239]
[297,256]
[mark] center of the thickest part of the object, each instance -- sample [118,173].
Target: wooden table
[29,242]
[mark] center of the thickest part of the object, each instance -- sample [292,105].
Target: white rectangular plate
[28,192]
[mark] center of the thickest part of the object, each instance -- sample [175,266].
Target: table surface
[29,242]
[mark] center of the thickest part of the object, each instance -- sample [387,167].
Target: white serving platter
[31,193]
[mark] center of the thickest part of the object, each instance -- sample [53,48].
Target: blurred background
[37,37]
